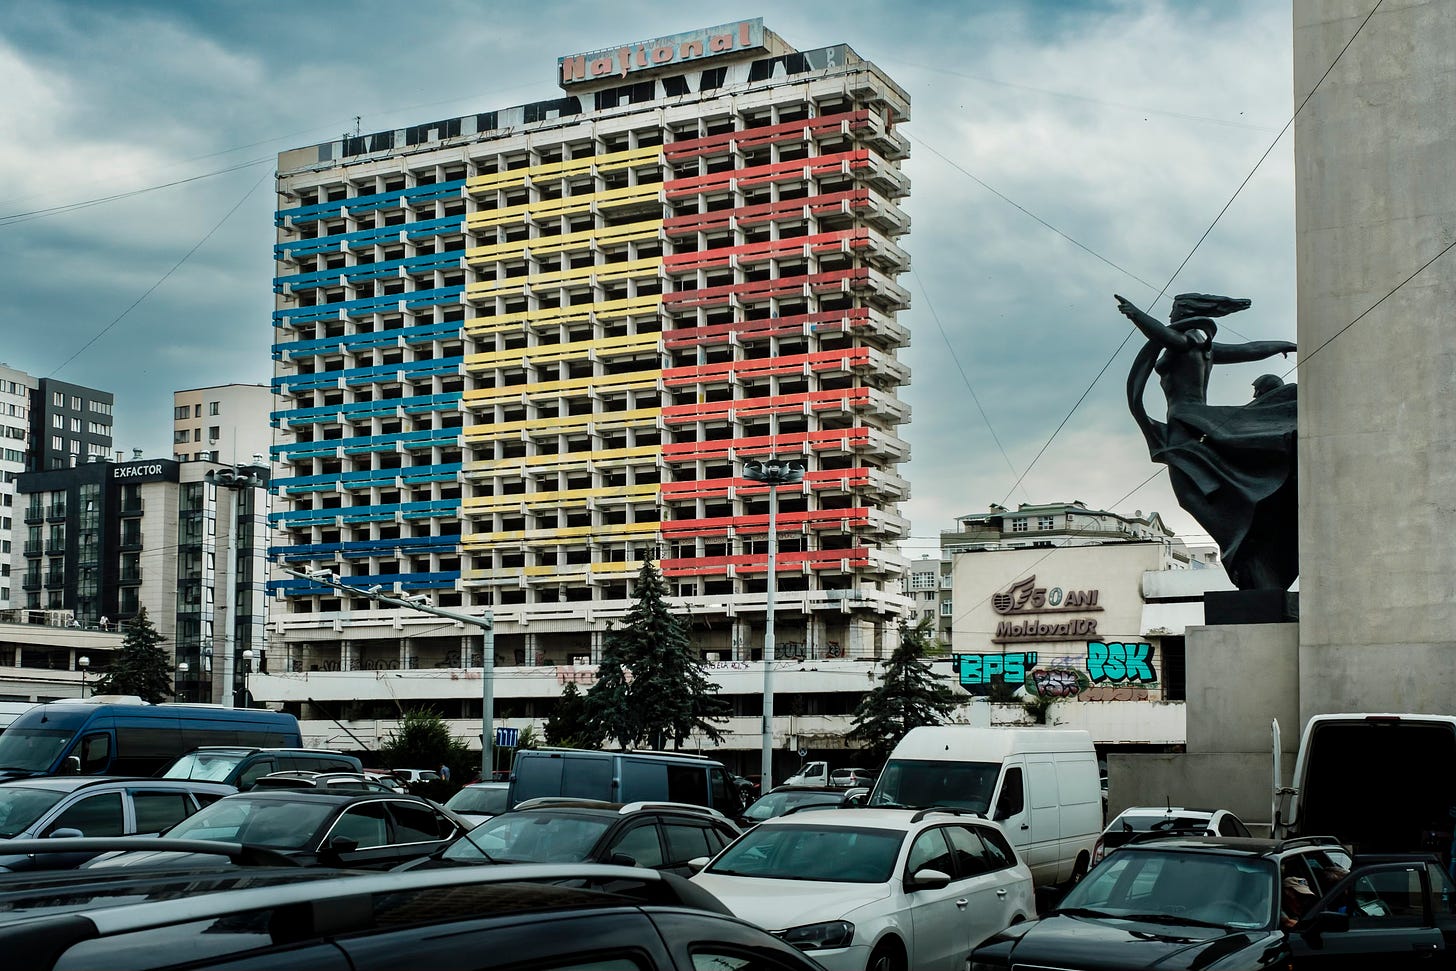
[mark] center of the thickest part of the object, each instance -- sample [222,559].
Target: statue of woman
[1232,466]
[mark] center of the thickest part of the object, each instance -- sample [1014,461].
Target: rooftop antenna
[357,119]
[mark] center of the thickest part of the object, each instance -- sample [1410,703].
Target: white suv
[877,889]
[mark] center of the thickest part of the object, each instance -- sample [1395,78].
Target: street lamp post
[247,669]
[182,668]
[236,480]
[83,662]
[422,603]
[772,474]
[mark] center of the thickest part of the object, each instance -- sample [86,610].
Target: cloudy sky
[1062,152]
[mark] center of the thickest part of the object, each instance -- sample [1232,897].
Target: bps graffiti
[1109,671]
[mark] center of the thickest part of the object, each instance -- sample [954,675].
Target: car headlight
[814,937]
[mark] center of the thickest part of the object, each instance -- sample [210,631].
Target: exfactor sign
[152,471]
[645,55]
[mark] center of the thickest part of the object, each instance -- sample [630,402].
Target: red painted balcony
[849,202]
[832,439]
[859,160]
[825,322]
[837,400]
[788,131]
[759,367]
[812,284]
[844,240]
[787,522]
[797,562]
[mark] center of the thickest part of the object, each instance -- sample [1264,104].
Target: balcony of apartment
[828,440]
[55,579]
[525,392]
[132,540]
[863,520]
[878,290]
[132,506]
[553,318]
[130,576]
[30,582]
[582,241]
[56,512]
[34,547]
[807,129]
[538,355]
[55,546]
[584,423]
[34,514]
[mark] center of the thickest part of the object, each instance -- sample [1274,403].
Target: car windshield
[530,837]
[778,803]
[21,807]
[207,766]
[1196,888]
[822,854]
[472,799]
[32,749]
[280,824]
[1147,822]
[959,785]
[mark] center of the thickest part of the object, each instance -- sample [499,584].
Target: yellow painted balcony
[602,347]
[552,171]
[563,460]
[606,310]
[558,497]
[570,242]
[631,381]
[558,536]
[597,273]
[564,424]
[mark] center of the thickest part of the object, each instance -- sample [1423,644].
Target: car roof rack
[1309,841]
[239,853]
[540,802]
[690,807]
[949,810]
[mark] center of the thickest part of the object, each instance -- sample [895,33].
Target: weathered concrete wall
[1375,159]
[1240,678]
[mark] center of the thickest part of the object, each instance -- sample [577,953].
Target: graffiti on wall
[1108,671]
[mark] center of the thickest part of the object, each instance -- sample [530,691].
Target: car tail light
[1097,851]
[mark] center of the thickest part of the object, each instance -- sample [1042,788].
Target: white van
[1041,782]
[1381,783]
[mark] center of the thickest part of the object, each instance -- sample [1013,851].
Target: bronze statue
[1232,466]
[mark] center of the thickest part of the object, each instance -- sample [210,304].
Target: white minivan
[1040,784]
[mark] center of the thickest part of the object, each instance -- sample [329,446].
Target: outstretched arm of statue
[1250,351]
[1152,328]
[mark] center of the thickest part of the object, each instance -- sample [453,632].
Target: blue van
[87,738]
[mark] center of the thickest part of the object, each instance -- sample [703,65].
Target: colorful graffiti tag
[1108,671]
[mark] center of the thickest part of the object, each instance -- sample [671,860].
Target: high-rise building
[16,391]
[521,351]
[69,425]
[225,423]
[187,541]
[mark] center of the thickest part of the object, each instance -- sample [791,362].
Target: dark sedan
[317,828]
[786,799]
[1225,903]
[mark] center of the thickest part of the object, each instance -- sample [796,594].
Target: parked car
[875,889]
[241,767]
[653,835]
[480,801]
[76,806]
[786,798]
[1222,902]
[338,781]
[1041,784]
[317,828]
[385,778]
[531,917]
[1170,821]
[849,778]
[415,776]
[810,774]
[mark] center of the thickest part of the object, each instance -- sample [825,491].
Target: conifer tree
[570,723]
[652,687]
[141,667]
[908,696]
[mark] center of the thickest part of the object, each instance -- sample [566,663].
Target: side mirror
[621,859]
[342,844]
[71,765]
[697,863]
[65,833]
[928,879]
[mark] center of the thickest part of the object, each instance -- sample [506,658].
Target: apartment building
[519,352]
[225,423]
[187,541]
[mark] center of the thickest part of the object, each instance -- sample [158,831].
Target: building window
[75,403]
[945,608]
[58,399]
[212,407]
[101,407]
[214,432]
[181,412]
[58,443]
[922,581]
[76,425]
[1019,525]
[1045,522]
[57,421]
[197,410]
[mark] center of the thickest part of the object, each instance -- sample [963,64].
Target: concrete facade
[1375,159]
[228,423]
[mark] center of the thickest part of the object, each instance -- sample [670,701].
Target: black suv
[507,918]
[660,836]
[1232,903]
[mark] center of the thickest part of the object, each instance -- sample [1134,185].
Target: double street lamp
[247,669]
[236,480]
[772,474]
[83,662]
[423,604]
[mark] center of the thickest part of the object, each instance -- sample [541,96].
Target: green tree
[909,695]
[571,723]
[652,686]
[422,740]
[141,667]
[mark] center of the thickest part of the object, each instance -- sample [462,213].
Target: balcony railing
[57,512]
[33,547]
[131,541]
[131,507]
[55,546]
[34,514]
